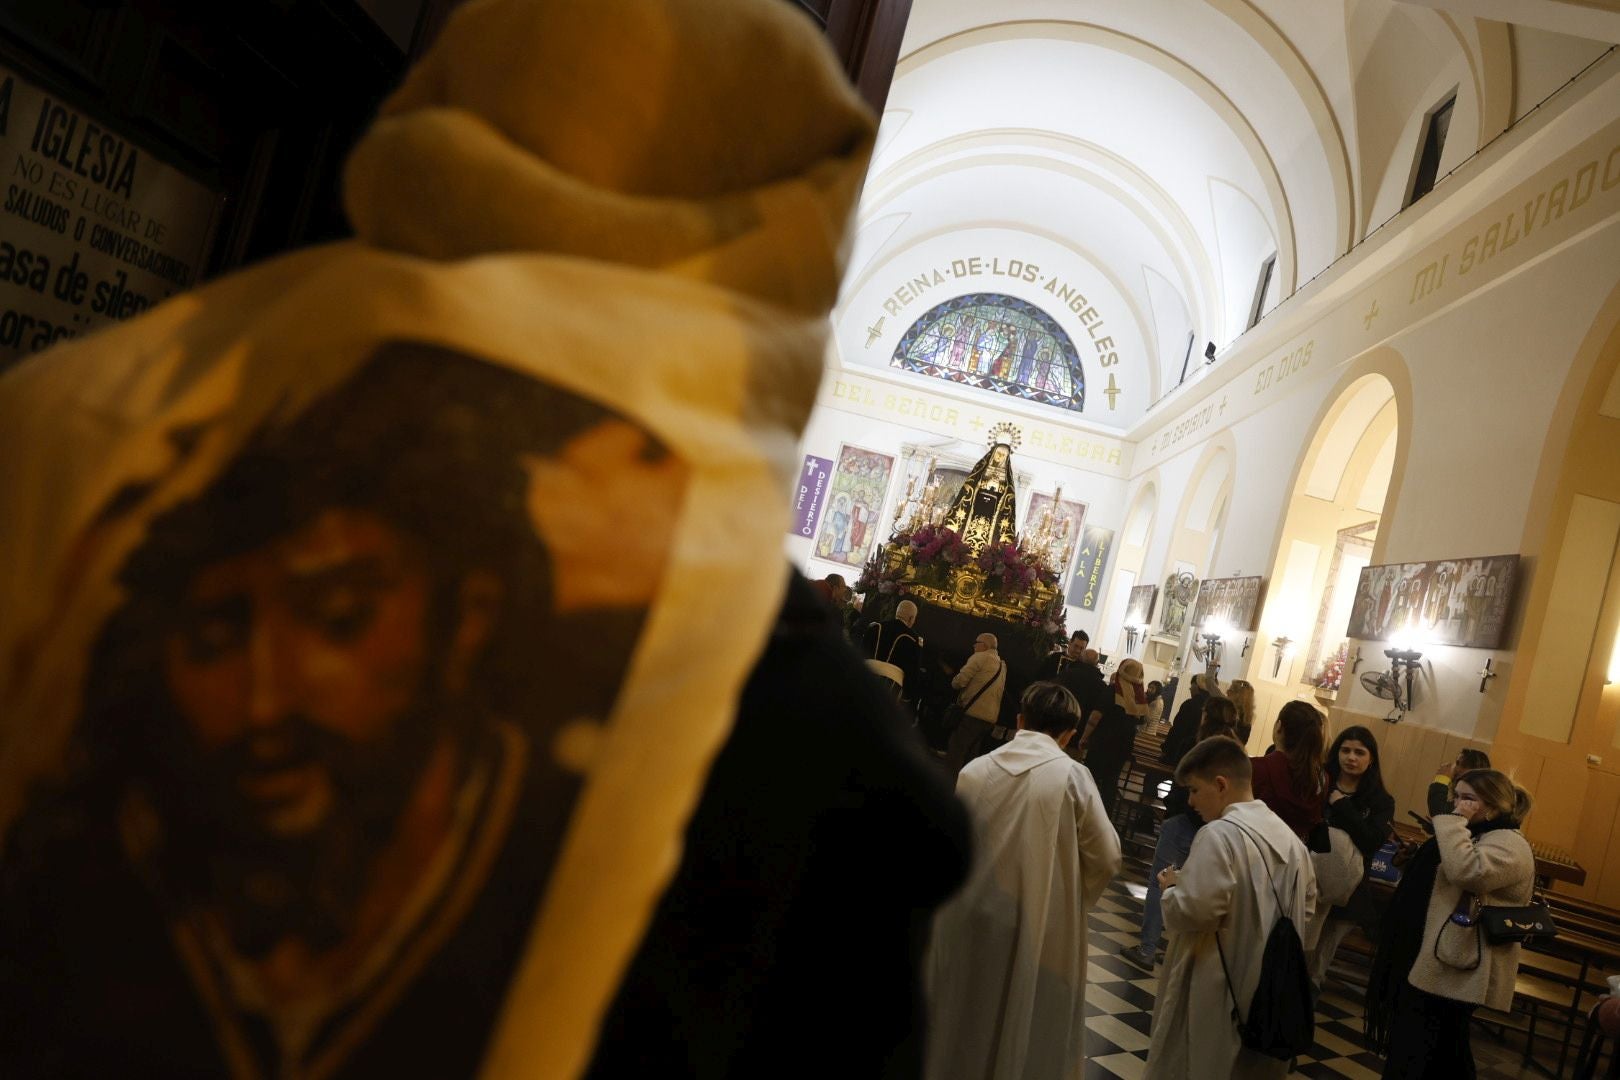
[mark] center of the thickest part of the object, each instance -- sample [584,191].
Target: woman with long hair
[1290,779]
[1359,804]
[1180,825]
[1242,694]
[1434,965]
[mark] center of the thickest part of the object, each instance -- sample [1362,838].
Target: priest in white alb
[1006,969]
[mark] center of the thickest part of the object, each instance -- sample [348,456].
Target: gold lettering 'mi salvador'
[1570,192]
[931,413]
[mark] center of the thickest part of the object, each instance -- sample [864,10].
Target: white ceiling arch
[1088,62]
[1134,190]
[1176,146]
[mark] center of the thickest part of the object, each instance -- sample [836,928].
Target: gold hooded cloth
[640,207]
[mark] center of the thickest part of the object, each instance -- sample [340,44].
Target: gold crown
[1006,433]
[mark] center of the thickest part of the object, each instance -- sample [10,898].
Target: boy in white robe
[1006,969]
[1223,892]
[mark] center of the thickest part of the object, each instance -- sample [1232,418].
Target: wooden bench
[1566,975]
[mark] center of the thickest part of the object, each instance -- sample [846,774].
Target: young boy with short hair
[1225,900]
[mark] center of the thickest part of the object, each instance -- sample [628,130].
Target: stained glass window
[999,343]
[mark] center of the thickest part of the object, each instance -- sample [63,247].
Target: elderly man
[978,687]
[894,642]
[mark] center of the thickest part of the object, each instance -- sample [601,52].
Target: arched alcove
[1559,735]
[1329,533]
[1132,552]
[1192,547]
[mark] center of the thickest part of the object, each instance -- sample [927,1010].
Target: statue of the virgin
[984,510]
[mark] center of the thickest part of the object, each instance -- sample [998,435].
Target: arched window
[998,343]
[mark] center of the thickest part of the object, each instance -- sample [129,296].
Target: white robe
[1006,968]
[1224,888]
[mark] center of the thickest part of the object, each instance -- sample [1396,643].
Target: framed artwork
[1139,607]
[1450,602]
[1233,602]
[849,522]
[1180,590]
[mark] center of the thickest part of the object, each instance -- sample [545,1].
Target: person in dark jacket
[1358,803]
[761,906]
[1184,729]
[1180,825]
[1058,662]
[893,641]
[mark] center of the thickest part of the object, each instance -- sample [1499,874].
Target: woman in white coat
[1434,965]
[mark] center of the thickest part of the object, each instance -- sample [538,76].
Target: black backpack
[1282,1021]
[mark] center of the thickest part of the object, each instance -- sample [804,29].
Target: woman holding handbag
[1445,951]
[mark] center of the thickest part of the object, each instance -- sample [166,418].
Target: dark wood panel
[866,36]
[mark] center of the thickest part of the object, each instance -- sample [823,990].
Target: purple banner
[811,494]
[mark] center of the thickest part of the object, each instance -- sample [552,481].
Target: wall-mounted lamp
[1247,642]
[1283,646]
[1130,639]
[1485,674]
[1210,654]
[1408,659]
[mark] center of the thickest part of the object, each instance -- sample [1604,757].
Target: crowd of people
[1252,850]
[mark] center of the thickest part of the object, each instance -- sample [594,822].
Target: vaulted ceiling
[1152,155]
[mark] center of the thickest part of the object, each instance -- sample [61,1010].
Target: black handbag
[1520,923]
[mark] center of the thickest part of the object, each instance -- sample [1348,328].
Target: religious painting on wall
[1449,602]
[996,342]
[1228,602]
[849,520]
[1139,608]
[1180,590]
[1054,528]
[451,562]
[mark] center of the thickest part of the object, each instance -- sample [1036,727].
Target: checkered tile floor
[1120,996]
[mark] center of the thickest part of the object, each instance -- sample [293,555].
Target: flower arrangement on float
[1010,569]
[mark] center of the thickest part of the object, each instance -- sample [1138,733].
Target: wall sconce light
[1210,654]
[1247,642]
[1283,646]
[1400,658]
[1130,639]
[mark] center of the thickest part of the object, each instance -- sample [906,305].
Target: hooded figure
[389,631]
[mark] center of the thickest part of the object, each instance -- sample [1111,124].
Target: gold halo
[1006,433]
